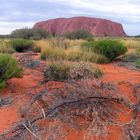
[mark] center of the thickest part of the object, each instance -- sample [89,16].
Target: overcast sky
[24,13]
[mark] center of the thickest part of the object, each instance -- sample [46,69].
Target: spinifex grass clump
[86,57]
[61,71]
[132,43]
[8,68]
[54,53]
[5,47]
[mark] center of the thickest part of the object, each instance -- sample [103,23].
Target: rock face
[98,27]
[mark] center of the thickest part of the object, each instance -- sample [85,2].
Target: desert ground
[34,107]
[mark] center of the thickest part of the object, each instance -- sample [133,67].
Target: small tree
[79,34]
[25,33]
[39,34]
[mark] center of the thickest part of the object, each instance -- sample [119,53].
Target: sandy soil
[19,90]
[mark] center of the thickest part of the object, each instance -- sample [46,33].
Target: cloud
[114,6]
[7,27]
[15,13]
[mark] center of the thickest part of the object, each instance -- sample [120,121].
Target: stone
[96,26]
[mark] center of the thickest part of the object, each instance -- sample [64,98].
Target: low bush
[57,71]
[22,45]
[60,71]
[137,64]
[5,47]
[111,49]
[79,34]
[8,68]
[30,33]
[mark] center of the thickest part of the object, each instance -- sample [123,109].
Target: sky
[15,14]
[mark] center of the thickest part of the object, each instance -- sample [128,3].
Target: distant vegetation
[8,68]
[79,34]
[27,33]
[4,36]
[37,34]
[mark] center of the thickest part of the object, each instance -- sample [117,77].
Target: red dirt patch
[120,76]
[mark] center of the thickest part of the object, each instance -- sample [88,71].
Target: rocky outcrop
[98,27]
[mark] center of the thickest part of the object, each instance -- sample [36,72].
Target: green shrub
[22,45]
[111,49]
[137,64]
[8,68]
[60,71]
[43,56]
[79,34]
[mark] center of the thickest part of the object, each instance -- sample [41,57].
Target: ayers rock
[98,27]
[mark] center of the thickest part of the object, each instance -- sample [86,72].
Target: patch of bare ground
[24,93]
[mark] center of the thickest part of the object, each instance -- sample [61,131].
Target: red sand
[124,77]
